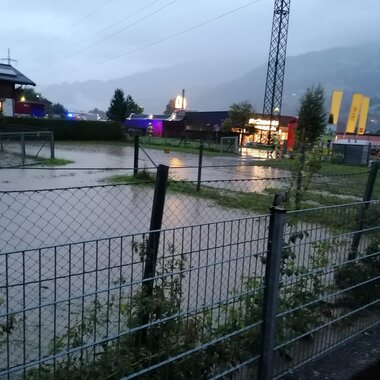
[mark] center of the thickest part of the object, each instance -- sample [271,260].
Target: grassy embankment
[333,184]
[53,161]
[210,148]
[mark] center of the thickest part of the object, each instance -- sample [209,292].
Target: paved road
[345,361]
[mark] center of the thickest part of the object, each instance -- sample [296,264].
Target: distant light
[180,103]
[70,114]
[22,98]
[264,124]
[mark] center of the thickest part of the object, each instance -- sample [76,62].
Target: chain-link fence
[21,148]
[31,219]
[35,218]
[232,299]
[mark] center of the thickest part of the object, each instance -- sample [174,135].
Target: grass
[143,177]
[334,184]
[54,161]
[319,194]
[177,145]
[256,202]
[327,168]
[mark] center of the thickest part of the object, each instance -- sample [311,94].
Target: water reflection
[108,155]
[176,162]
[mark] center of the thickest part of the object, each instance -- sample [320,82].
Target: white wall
[8,108]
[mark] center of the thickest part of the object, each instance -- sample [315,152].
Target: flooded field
[68,208]
[43,207]
[95,157]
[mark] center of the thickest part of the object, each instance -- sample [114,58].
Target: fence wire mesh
[79,310]
[23,148]
[34,218]
[330,280]
[57,216]
[73,301]
[82,311]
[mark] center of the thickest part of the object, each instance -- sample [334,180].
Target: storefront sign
[264,125]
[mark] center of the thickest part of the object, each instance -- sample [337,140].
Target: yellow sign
[363,115]
[354,112]
[336,101]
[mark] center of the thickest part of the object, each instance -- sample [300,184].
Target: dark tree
[312,117]
[239,115]
[132,106]
[31,95]
[312,121]
[50,108]
[56,109]
[118,108]
[170,107]
[99,112]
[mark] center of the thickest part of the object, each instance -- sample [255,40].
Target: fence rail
[18,143]
[81,310]
[34,218]
[92,288]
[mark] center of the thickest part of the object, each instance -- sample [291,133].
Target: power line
[80,21]
[87,16]
[113,25]
[174,35]
[121,30]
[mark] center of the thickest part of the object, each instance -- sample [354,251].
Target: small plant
[359,275]
[142,177]
[307,166]
[54,161]
[165,333]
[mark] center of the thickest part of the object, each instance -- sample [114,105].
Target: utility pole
[276,62]
[8,59]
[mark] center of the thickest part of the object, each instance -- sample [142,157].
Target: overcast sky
[76,40]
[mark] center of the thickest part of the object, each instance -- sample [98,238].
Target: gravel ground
[345,361]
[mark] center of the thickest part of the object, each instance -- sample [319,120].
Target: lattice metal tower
[276,63]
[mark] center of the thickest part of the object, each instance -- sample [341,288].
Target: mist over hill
[350,69]
[216,86]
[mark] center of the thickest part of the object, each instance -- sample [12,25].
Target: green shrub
[356,274]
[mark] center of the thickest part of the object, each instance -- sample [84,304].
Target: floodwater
[49,289]
[61,213]
[64,211]
[90,160]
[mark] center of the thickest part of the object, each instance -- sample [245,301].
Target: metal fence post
[153,242]
[136,157]
[155,225]
[23,151]
[52,146]
[271,288]
[200,166]
[362,211]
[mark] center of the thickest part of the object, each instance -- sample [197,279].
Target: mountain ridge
[216,86]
